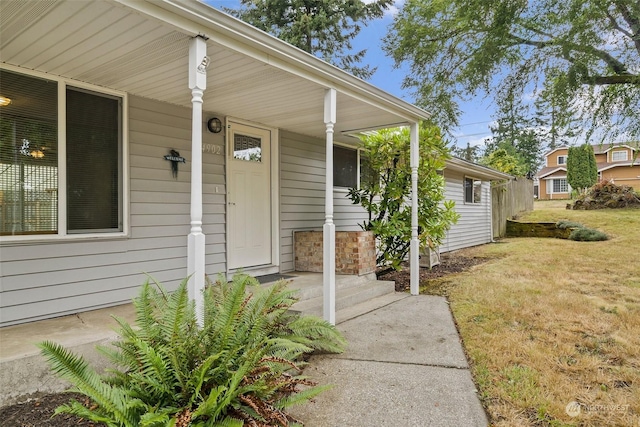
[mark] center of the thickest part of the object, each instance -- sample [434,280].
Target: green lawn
[547,322]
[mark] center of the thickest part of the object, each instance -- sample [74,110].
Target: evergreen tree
[324,28]
[582,172]
[471,153]
[554,113]
[515,133]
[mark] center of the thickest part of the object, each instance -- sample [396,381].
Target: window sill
[56,238]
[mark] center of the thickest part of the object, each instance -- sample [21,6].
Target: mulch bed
[450,263]
[38,412]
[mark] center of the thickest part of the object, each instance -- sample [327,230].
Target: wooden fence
[508,199]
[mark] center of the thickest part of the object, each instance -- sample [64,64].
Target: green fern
[242,367]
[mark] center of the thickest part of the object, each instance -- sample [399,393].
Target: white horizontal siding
[43,280]
[302,194]
[474,226]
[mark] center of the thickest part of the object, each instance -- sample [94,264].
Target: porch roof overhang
[142,48]
[475,170]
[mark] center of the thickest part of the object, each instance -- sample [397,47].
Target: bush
[242,367]
[587,235]
[563,224]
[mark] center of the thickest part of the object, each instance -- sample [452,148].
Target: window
[558,185]
[620,155]
[562,160]
[247,148]
[350,167]
[30,167]
[472,190]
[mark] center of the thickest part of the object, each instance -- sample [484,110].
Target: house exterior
[616,162]
[170,139]
[469,186]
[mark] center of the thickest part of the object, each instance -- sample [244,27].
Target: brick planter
[355,252]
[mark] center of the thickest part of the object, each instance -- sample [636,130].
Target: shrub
[564,223]
[587,235]
[242,367]
[386,193]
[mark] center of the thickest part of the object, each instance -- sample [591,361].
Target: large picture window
[30,167]
[560,185]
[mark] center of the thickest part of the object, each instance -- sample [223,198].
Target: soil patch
[39,412]
[450,262]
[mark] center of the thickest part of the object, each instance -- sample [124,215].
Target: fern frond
[76,408]
[87,381]
[301,396]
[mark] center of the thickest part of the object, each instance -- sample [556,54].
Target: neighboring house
[168,138]
[618,163]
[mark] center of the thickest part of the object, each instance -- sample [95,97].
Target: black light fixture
[214,125]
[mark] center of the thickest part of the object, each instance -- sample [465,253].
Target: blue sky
[476,114]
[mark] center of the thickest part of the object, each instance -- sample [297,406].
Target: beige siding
[474,226]
[64,276]
[302,189]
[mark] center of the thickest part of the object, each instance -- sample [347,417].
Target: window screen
[93,162]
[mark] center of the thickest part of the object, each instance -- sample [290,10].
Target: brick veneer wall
[355,252]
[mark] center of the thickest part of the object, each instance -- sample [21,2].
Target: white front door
[249,196]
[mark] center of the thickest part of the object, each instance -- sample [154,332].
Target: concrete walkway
[404,367]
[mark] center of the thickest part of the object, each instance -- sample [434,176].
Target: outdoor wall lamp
[214,125]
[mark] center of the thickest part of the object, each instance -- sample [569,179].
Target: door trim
[274,267]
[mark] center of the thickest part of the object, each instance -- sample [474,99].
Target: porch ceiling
[142,48]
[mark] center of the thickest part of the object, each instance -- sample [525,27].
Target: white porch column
[329,228]
[414,254]
[198,62]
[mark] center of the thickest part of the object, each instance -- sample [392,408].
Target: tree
[554,117]
[515,133]
[324,28]
[471,153]
[503,161]
[582,171]
[586,51]
[386,194]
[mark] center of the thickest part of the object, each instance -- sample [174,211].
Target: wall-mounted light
[214,125]
[4,101]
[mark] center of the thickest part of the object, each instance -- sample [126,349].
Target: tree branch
[632,20]
[618,67]
[632,79]
[617,26]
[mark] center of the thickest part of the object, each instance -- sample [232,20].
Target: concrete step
[309,285]
[351,295]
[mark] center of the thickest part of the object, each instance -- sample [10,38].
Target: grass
[549,321]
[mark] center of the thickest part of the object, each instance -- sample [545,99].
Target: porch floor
[23,371]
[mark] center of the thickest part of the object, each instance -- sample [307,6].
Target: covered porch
[162,59]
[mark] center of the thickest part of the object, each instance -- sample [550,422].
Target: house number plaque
[213,149]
